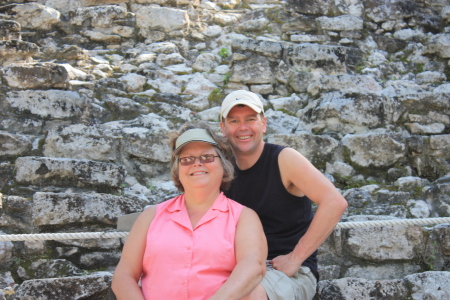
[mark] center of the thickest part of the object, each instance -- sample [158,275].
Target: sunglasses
[189,160]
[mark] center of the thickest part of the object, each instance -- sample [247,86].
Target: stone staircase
[92,90]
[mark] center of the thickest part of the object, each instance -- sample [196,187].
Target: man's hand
[286,264]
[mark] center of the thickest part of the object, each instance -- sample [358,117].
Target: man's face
[244,129]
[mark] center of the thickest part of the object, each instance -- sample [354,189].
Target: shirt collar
[219,204]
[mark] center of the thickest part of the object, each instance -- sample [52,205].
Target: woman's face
[200,175]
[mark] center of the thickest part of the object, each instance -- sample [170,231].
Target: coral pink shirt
[181,262]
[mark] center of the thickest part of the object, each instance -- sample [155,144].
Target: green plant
[150,186]
[226,78]
[224,53]
[215,97]
[419,68]
[431,258]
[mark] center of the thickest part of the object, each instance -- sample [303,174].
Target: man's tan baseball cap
[241,97]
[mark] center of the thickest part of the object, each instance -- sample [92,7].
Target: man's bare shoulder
[289,155]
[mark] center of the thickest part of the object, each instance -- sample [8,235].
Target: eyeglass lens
[189,160]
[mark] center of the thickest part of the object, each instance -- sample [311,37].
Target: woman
[199,245]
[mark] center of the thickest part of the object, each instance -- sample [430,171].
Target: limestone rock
[68,172]
[55,104]
[358,87]
[10,30]
[33,15]
[321,7]
[78,287]
[380,243]
[345,84]
[340,23]
[99,259]
[37,76]
[206,62]
[253,71]
[280,123]
[54,268]
[99,16]
[124,108]
[334,112]
[149,18]
[69,208]
[353,288]
[14,144]
[375,150]
[16,50]
[81,142]
[199,85]
[321,58]
[439,44]
[428,285]
[252,25]
[6,252]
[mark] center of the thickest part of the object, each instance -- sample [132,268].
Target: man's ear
[264,120]
[222,126]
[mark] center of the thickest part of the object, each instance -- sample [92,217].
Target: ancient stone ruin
[91,89]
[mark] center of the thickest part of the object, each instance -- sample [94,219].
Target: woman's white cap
[193,135]
[241,97]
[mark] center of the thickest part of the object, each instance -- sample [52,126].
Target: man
[279,183]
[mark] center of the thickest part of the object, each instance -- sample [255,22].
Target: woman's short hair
[223,149]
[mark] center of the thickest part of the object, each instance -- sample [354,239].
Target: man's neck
[245,161]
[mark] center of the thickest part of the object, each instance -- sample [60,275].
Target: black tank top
[285,217]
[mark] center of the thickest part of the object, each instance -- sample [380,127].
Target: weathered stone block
[65,208]
[50,268]
[37,76]
[353,288]
[79,287]
[373,149]
[33,15]
[13,144]
[318,58]
[68,172]
[149,18]
[429,285]
[53,104]
[15,50]
[10,30]
[383,243]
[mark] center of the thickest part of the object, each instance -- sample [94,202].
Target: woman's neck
[197,204]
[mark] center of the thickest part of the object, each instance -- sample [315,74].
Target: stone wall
[91,90]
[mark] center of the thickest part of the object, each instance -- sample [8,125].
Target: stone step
[384,252]
[427,285]
[65,172]
[9,30]
[52,210]
[93,286]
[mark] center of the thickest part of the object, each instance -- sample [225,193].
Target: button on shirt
[181,262]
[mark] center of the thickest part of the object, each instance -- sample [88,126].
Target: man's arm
[301,178]
[251,253]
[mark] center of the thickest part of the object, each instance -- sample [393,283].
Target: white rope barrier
[64,236]
[123,234]
[421,222]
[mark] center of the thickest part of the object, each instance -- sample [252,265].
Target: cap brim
[251,105]
[193,135]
